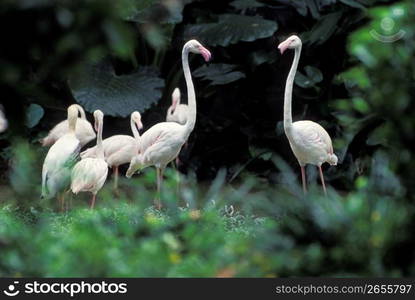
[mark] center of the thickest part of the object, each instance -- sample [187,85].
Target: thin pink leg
[303,179]
[157,201]
[115,170]
[93,201]
[322,180]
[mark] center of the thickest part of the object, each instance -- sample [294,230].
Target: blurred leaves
[311,77]
[231,29]
[219,74]
[98,87]
[34,114]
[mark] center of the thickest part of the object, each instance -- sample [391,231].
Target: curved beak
[283,46]
[139,125]
[205,53]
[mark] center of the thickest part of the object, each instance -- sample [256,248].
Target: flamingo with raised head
[162,142]
[309,141]
[119,149]
[61,157]
[84,131]
[89,174]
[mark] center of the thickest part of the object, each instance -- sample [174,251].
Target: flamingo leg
[303,179]
[157,202]
[115,170]
[322,180]
[93,201]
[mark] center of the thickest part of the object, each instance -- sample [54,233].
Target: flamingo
[162,142]
[119,149]
[177,112]
[89,174]
[84,131]
[60,159]
[3,120]
[309,141]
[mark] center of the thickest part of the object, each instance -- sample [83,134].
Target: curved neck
[134,129]
[81,111]
[100,148]
[72,118]
[191,96]
[288,121]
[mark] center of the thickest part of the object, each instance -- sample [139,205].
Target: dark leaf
[34,114]
[245,4]
[219,74]
[98,87]
[231,29]
[324,28]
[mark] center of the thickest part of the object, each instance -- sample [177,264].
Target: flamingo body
[59,161]
[90,173]
[311,144]
[84,131]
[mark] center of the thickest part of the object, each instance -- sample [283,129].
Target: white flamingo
[162,142]
[84,131]
[90,173]
[119,149]
[61,157]
[177,112]
[309,141]
[3,120]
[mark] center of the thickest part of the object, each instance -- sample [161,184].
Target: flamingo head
[135,165]
[175,99]
[197,48]
[293,42]
[136,117]
[98,117]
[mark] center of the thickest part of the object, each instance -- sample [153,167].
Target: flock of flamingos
[160,144]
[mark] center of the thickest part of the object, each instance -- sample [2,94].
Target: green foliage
[219,74]
[230,29]
[98,87]
[34,114]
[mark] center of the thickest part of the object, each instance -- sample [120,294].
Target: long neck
[288,121]
[100,148]
[81,111]
[134,129]
[191,118]
[72,118]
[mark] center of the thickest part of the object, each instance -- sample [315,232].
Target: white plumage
[119,149]
[309,141]
[60,159]
[3,120]
[89,174]
[177,112]
[161,143]
[84,131]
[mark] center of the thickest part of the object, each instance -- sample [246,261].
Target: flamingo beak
[205,53]
[283,46]
[139,125]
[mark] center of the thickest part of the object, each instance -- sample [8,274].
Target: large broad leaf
[245,4]
[353,3]
[158,11]
[231,29]
[34,114]
[98,87]
[219,74]
[324,28]
[311,77]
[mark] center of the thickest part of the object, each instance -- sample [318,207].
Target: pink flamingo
[119,149]
[309,141]
[162,142]
[177,112]
[84,131]
[89,174]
